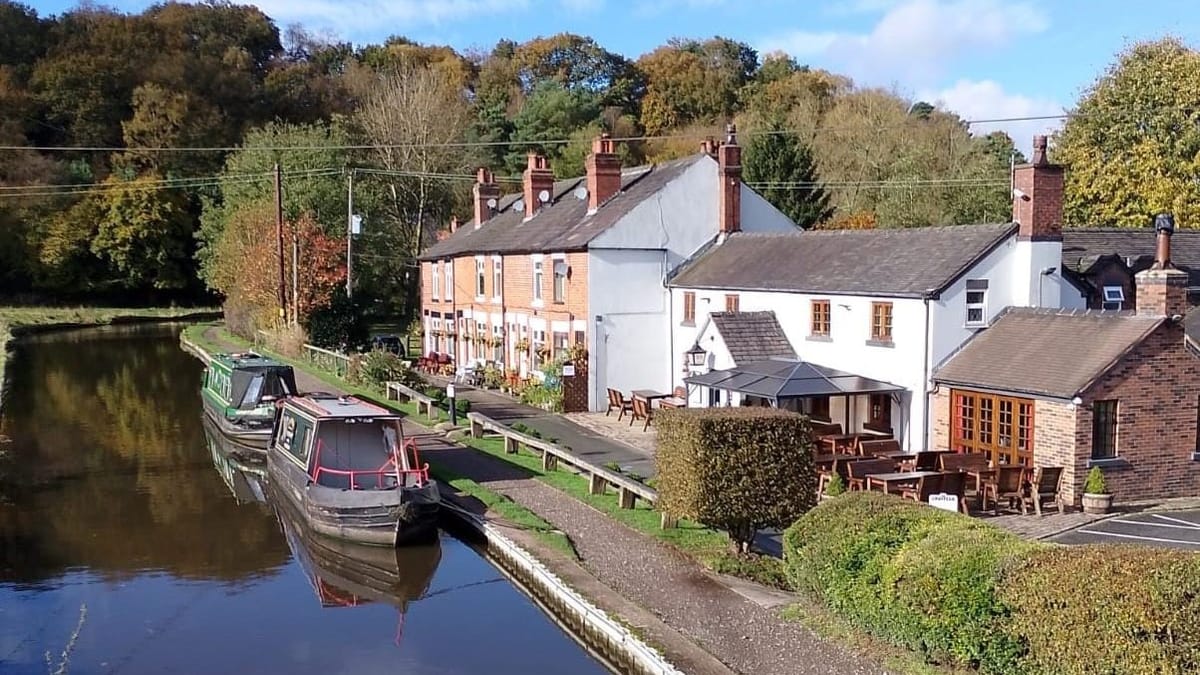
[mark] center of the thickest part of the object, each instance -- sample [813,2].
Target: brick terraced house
[1083,388]
[582,262]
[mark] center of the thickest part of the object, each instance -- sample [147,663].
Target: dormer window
[1114,297]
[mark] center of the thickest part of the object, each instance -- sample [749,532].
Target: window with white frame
[435,288]
[537,280]
[560,281]
[497,278]
[449,280]
[560,345]
[498,343]
[480,277]
[1114,297]
[436,328]
[539,347]
[977,302]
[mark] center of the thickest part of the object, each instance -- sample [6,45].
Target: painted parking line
[1161,540]
[1147,523]
[1185,523]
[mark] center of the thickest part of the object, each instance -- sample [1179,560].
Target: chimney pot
[453,224]
[1037,199]
[1164,226]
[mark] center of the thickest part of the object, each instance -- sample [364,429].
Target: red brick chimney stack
[486,190]
[1162,289]
[603,172]
[1038,196]
[537,179]
[709,146]
[729,162]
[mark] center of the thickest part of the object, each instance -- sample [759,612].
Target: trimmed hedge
[1106,609]
[737,469]
[962,592]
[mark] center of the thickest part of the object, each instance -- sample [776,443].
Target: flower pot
[1097,504]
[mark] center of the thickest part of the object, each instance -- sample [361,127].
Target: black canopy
[277,380]
[777,379]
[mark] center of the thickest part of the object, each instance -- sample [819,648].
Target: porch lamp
[696,356]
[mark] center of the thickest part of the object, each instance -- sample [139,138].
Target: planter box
[1097,504]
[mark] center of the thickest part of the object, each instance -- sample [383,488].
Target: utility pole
[279,236]
[295,278]
[349,230]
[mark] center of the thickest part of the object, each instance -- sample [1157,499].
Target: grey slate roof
[752,336]
[563,225]
[785,378]
[901,262]
[1045,352]
[1083,246]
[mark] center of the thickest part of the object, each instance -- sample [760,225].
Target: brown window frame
[879,413]
[822,320]
[732,302]
[819,408]
[1106,428]
[689,308]
[881,322]
[980,422]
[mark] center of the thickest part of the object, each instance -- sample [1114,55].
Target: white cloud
[381,17]
[986,99]
[914,40]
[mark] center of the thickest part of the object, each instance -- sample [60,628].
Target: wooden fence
[599,478]
[404,393]
[322,359]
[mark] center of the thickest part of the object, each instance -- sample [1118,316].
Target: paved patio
[618,430]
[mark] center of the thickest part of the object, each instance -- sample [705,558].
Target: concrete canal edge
[613,642]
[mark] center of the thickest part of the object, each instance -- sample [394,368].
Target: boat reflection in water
[342,574]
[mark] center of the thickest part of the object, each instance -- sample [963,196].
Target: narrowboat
[239,395]
[346,467]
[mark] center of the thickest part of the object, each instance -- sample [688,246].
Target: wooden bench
[641,411]
[875,448]
[616,401]
[403,393]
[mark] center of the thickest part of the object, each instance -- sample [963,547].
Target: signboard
[944,501]
[568,370]
[356,224]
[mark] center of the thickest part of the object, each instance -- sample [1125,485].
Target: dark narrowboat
[239,395]
[346,467]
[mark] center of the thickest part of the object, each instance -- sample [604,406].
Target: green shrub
[913,575]
[1106,609]
[375,368]
[737,469]
[835,486]
[542,396]
[462,405]
[1095,484]
[762,569]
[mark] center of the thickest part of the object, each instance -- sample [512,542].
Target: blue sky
[981,58]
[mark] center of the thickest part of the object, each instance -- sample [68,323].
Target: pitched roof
[564,224]
[899,262]
[1043,351]
[1083,246]
[752,336]
[789,378]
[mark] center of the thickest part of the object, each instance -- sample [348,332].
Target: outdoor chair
[858,470]
[618,402]
[926,486]
[1046,484]
[825,429]
[824,476]
[1007,484]
[874,448]
[926,461]
[962,461]
[641,411]
[955,483]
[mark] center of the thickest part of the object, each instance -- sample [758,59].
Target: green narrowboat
[240,391]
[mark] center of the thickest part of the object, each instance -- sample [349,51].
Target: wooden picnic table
[885,481]
[981,476]
[672,402]
[827,459]
[649,395]
[837,442]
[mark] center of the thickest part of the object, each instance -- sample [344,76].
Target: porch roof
[787,378]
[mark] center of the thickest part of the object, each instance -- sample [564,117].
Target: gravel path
[743,635]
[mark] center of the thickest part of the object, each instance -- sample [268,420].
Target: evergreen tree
[785,162]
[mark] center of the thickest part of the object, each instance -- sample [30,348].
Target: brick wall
[1156,386]
[1055,443]
[941,419]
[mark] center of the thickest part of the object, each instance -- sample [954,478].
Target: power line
[21,191]
[487,144]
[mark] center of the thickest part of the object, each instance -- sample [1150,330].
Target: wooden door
[1000,427]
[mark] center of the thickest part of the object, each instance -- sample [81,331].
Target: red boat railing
[389,469]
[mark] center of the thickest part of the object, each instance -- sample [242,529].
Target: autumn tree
[578,63]
[1133,140]
[551,113]
[694,81]
[145,234]
[780,167]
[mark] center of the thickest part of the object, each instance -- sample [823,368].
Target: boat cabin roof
[329,406]
[248,361]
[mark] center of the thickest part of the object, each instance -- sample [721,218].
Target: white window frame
[1112,300]
[981,287]
[537,339]
[435,290]
[497,279]
[449,282]
[539,280]
[559,297]
[480,278]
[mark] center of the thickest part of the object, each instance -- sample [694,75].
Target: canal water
[132,542]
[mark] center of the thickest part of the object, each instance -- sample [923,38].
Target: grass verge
[511,511]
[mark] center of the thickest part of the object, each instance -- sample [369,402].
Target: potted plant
[522,345]
[1096,497]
